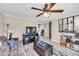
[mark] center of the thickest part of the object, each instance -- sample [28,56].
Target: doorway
[50,29]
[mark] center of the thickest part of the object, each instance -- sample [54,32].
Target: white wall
[1,24]
[47,30]
[55,33]
[18,25]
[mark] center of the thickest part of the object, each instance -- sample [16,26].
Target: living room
[15,18]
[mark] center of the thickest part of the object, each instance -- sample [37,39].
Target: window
[65,25]
[60,25]
[76,23]
[70,24]
[30,29]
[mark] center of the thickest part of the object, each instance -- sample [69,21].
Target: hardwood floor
[67,51]
[58,49]
[27,50]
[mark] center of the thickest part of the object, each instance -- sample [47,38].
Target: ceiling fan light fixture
[46,9]
[46,14]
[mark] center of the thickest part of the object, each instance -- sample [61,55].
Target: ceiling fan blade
[39,14]
[56,11]
[36,9]
[51,5]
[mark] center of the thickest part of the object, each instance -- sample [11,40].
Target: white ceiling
[24,10]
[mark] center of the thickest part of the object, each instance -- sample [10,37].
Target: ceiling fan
[47,8]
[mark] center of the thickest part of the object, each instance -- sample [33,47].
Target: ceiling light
[46,14]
